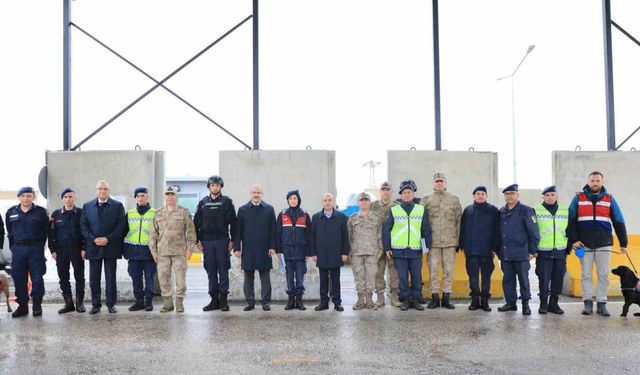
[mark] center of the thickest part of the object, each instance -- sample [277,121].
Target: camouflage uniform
[172,236]
[444,211]
[365,237]
[382,210]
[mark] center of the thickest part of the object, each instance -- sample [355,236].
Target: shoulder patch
[533,218]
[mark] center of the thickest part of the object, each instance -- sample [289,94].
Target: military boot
[445,301]
[484,304]
[369,301]
[299,303]
[68,305]
[380,299]
[395,299]
[553,305]
[588,307]
[179,304]
[168,305]
[214,304]
[22,310]
[435,301]
[544,306]
[475,303]
[138,305]
[37,307]
[291,304]
[526,310]
[80,304]
[148,303]
[224,304]
[360,304]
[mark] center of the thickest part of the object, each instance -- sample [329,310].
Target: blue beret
[65,191]
[480,188]
[549,189]
[512,187]
[140,190]
[26,189]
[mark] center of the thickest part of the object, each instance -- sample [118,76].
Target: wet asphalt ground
[354,342]
[308,342]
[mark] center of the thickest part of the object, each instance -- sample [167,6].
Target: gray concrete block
[463,169]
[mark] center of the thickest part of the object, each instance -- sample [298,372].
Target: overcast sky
[355,76]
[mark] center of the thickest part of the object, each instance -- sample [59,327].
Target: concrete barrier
[464,170]
[570,174]
[125,170]
[310,171]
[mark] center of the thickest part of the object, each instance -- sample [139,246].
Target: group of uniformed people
[384,237]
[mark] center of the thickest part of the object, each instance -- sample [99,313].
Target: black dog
[630,288]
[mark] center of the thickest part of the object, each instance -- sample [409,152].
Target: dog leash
[616,252]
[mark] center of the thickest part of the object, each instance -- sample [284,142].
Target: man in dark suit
[103,227]
[256,234]
[330,249]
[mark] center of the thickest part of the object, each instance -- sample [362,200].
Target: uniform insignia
[533,218]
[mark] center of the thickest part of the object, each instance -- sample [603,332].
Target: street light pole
[513,108]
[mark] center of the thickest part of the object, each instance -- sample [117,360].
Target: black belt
[28,242]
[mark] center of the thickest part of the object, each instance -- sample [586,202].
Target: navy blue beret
[480,188]
[512,187]
[549,189]
[26,189]
[140,190]
[65,191]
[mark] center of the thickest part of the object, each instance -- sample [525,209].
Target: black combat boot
[508,307]
[214,304]
[80,304]
[588,307]
[291,304]
[484,304]
[299,303]
[138,305]
[445,301]
[435,301]
[37,307]
[148,303]
[68,305]
[405,305]
[526,310]
[224,305]
[22,310]
[544,306]
[475,303]
[553,305]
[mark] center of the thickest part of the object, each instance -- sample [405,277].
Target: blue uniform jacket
[519,235]
[110,224]
[293,241]
[31,226]
[479,233]
[64,230]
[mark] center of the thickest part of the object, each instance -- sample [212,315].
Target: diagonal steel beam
[130,63]
[636,41]
[160,83]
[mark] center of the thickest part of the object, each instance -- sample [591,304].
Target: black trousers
[480,266]
[67,257]
[334,273]
[95,276]
[550,273]
[249,286]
